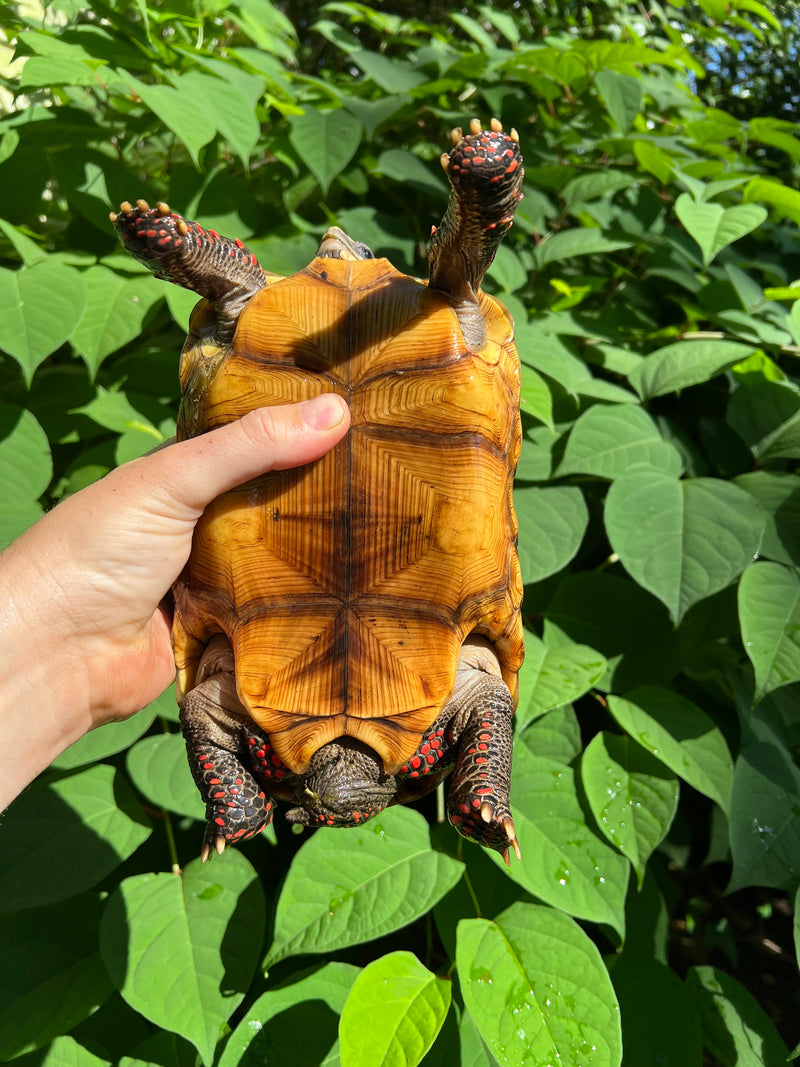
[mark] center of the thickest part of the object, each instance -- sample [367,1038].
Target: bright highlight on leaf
[522,978]
[393,1013]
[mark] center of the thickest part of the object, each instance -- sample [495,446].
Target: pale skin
[84,636]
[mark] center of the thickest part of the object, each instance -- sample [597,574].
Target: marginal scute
[348,586]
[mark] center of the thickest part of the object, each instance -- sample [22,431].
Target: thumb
[196,471]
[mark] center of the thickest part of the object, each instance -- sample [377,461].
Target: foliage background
[653,275]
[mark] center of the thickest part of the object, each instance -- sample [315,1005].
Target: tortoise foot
[478,799]
[237,808]
[149,233]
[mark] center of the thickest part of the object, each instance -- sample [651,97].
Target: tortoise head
[337,245]
[344,786]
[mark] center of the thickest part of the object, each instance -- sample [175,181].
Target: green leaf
[106,740]
[92,814]
[16,518]
[176,106]
[682,540]
[227,107]
[678,366]
[182,949]
[262,1036]
[784,201]
[715,227]
[159,769]
[765,817]
[26,465]
[393,1014]
[608,441]
[660,1024]
[551,677]
[595,184]
[537,990]
[778,493]
[680,735]
[556,734]
[552,523]
[632,795]
[115,310]
[766,415]
[51,975]
[622,95]
[654,160]
[346,888]
[769,614]
[40,306]
[409,169]
[579,242]
[735,1029]
[535,398]
[326,141]
[117,412]
[563,862]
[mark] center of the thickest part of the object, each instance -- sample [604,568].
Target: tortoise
[348,632]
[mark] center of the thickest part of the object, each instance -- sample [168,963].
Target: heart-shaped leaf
[715,227]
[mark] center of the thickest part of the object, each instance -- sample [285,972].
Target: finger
[196,471]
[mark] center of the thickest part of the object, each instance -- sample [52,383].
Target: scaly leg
[226,751]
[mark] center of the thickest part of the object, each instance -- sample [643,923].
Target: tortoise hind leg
[224,748]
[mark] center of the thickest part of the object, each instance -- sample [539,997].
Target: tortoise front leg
[226,750]
[173,248]
[485,173]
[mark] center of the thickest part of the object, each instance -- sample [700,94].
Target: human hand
[83,636]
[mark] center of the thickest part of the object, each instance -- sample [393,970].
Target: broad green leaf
[556,734]
[537,990]
[326,141]
[563,862]
[735,1028]
[765,817]
[344,888]
[766,415]
[117,412]
[679,734]
[15,519]
[40,306]
[784,200]
[393,1014]
[262,1036]
[660,1023]
[373,113]
[227,107]
[577,242]
[26,466]
[106,740]
[608,441]
[65,1051]
[409,169]
[769,614]
[555,676]
[535,398]
[183,948]
[678,366]
[632,795]
[778,493]
[595,184]
[654,160]
[177,107]
[392,74]
[115,310]
[618,618]
[682,540]
[158,768]
[51,975]
[92,814]
[622,95]
[715,227]
[552,522]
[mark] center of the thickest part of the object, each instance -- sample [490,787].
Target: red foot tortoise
[348,632]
